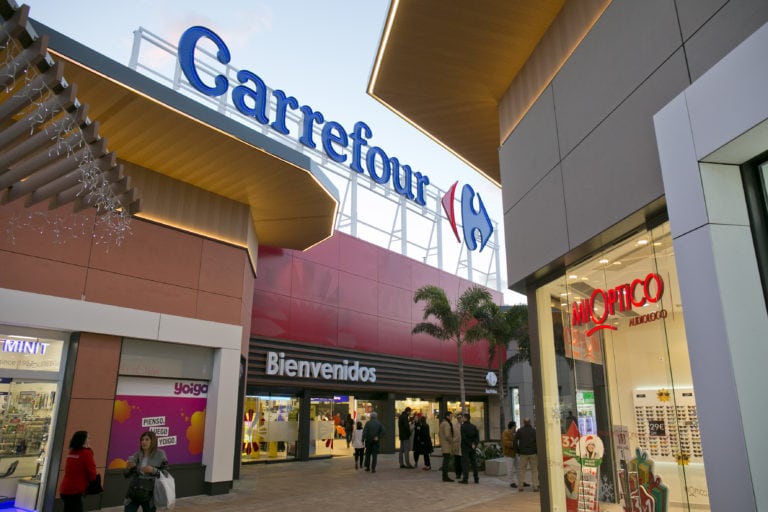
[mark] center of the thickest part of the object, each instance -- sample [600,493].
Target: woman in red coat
[80,469]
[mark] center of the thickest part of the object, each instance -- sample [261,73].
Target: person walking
[358,445]
[79,471]
[447,434]
[470,439]
[349,428]
[510,455]
[372,434]
[404,433]
[422,443]
[525,446]
[143,467]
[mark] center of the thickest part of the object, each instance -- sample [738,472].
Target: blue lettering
[404,189]
[187,45]
[282,103]
[258,96]
[251,98]
[370,160]
[360,130]
[421,182]
[310,117]
[333,132]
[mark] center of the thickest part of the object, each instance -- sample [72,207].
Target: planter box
[496,467]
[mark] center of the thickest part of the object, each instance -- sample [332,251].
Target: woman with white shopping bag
[144,467]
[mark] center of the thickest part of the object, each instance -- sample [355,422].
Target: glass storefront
[419,407]
[30,375]
[476,412]
[616,378]
[270,427]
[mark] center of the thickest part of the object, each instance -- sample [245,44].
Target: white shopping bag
[165,490]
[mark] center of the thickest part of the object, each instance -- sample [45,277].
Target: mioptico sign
[252,99]
[603,304]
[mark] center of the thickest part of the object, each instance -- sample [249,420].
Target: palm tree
[459,325]
[500,326]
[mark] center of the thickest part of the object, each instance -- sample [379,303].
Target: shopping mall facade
[191,318]
[634,133]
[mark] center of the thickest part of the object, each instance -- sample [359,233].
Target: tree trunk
[506,410]
[462,393]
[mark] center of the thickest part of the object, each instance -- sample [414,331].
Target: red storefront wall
[350,294]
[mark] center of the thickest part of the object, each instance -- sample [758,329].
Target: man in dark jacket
[470,439]
[404,433]
[525,446]
[372,434]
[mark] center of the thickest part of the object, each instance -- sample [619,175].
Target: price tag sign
[656,428]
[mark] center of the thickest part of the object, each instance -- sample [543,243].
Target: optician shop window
[617,380]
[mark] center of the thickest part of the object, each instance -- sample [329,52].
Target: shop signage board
[24,353]
[173,409]
[603,304]
[252,98]
[278,364]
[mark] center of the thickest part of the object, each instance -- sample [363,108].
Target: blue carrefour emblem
[473,221]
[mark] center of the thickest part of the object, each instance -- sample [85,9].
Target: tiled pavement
[334,484]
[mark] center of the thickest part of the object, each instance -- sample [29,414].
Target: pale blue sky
[319,52]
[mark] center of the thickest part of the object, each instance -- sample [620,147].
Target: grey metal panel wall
[624,48]
[535,230]
[630,65]
[615,170]
[532,152]
[736,20]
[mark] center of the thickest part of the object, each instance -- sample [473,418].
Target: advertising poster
[590,452]
[571,467]
[173,409]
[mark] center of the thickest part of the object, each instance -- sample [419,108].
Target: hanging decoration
[50,150]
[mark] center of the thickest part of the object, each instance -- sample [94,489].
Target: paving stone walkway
[334,484]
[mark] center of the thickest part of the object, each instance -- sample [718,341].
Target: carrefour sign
[252,99]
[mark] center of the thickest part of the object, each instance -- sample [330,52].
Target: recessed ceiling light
[642,241]
[585,279]
[573,276]
[657,244]
[617,263]
[603,261]
[563,294]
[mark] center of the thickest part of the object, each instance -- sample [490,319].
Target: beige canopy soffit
[49,148]
[466,74]
[160,131]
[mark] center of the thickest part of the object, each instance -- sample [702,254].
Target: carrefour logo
[473,220]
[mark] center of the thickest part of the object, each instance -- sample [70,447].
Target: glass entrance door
[616,373]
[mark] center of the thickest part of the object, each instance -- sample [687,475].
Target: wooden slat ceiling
[50,150]
[289,207]
[444,66]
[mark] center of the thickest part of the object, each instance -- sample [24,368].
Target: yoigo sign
[473,220]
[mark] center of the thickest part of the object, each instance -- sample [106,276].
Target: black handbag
[141,489]
[94,487]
